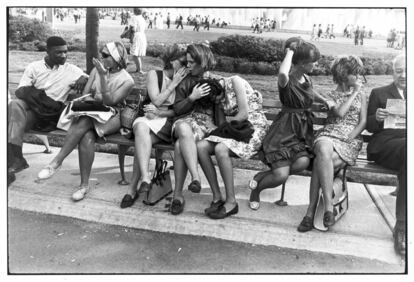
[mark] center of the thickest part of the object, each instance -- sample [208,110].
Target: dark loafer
[400,242]
[222,213]
[214,206]
[144,187]
[177,207]
[128,201]
[328,219]
[306,224]
[18,165]
[195,186]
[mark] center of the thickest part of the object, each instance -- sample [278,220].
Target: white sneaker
[80,194]
[47,172]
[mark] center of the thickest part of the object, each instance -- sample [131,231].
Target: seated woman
[339,142]
[287,145]
[110,84]
[241,103]
[193,122]
[155,126]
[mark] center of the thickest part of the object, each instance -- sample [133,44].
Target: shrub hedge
[234,53]
[22,29]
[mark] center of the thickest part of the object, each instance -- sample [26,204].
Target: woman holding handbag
[109,83]
[338,143]
[240,104]
[155,126]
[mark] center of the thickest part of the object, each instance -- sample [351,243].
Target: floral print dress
[337,129]
[256,117]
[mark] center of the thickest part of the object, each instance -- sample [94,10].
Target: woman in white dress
[156,125]
[139,44]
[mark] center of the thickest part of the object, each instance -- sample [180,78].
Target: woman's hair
[137,11]
[216,89]
[345,65]
[305,52]
[173,53]
[202,55]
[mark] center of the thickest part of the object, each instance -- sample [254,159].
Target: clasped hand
[200,91]
[151,111]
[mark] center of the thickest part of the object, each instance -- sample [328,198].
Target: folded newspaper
[396,114]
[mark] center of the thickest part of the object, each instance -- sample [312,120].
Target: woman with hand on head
[287,145]
[193,121]
[339,142]
[109,83]
[156,125]
[240,104]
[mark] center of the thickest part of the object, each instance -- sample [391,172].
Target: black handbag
[160,186]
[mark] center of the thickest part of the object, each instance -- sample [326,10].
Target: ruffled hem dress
[291,134]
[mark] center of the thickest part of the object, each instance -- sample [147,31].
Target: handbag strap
[160,75]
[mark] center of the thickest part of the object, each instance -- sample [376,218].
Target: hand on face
[99,66]
[180,75]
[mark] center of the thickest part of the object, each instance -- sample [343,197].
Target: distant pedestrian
[356,35]
[180,22]
[319,31]
[168,20]
[313,32]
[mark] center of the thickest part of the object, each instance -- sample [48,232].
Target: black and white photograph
[197,138]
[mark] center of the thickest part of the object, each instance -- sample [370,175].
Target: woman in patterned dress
[339,142]
[241,103]
[139,44]
[192,122]
[287,145]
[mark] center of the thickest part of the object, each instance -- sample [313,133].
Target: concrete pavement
[362,232]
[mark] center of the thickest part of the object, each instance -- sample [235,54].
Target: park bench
[364,171]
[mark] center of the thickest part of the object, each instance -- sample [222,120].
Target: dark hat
[55,41]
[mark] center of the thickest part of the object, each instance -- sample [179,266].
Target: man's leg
[394,156]
[20,120]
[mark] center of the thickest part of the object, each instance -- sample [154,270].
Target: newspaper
[396,117]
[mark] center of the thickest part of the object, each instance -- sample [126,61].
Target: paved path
[362,232]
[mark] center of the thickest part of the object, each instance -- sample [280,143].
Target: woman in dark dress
[287,145]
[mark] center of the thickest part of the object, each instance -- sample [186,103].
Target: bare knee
[323,150]
[203,147]
[88,139]
[183,130]
[280,174]
[141,129]
[221,151]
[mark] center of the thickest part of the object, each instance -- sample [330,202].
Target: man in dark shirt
[388,146]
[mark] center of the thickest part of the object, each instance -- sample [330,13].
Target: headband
[113,51]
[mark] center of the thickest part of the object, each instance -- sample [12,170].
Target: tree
[92,34]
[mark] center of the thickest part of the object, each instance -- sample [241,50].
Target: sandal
[254,205]
[177,207]
[306,224]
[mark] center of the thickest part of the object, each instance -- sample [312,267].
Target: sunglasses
[104,55]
